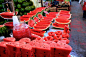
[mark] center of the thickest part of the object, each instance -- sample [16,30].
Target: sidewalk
[78,31]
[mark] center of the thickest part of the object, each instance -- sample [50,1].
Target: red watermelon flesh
[27,16]
[62,16]
[31,23]
[40,24]
[40,34]
[40,16]
[57,37]
[9,39]
[26,49]
[62,21]
[3,47]
[40,27]
[65,40]
[9,25]
[59,25]
[27,40]
[34,36]
[53,13]
[7,14]
[31,13]
[47,19]
[24,18]
[64,51]
[64,11]
[58,32]
[43,49]
[36,19]
[43,23]
[51,34]
[51,16]
[38,31]
[65,35]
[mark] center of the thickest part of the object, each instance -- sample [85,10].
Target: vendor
[84,7]
[55,2]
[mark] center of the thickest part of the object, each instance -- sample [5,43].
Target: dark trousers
[84,14]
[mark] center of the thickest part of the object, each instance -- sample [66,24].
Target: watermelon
[64,16]
[9,39]
[39,34]
[65,35]
[51,34]
[64,51]
[27,40]
[38,31]
[26,50]
[36,19]
[3,49]
[41,27]
[52,16]
[57,37]
[62,21]
[63,11]
[58,32]
[48,18]
[53,13]
[66,29]
[22,19]
[7,15]
[40,16]
[9,25]
[56,25]
[31,23]
[25,17]
[34,36]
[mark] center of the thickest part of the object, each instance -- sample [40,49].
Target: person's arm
[80,1]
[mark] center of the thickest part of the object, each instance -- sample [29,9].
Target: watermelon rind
[63,23]
[59,27]
[43,29]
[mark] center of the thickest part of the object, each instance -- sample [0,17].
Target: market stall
[37,33]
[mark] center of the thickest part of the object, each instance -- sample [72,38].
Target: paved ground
[78,31]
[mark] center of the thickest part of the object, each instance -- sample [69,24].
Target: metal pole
[41,3]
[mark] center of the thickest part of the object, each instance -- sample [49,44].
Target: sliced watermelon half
[9,25]
[31,23]
[22,19]
[63,16]
[7,15]
[40,16]
[56,25]
[41,27]
[36,19]
[38,31]
[62,21]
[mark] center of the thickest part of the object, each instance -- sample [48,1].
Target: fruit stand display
[45,41]
[38,34]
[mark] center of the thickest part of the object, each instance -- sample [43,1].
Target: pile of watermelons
[23,6]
